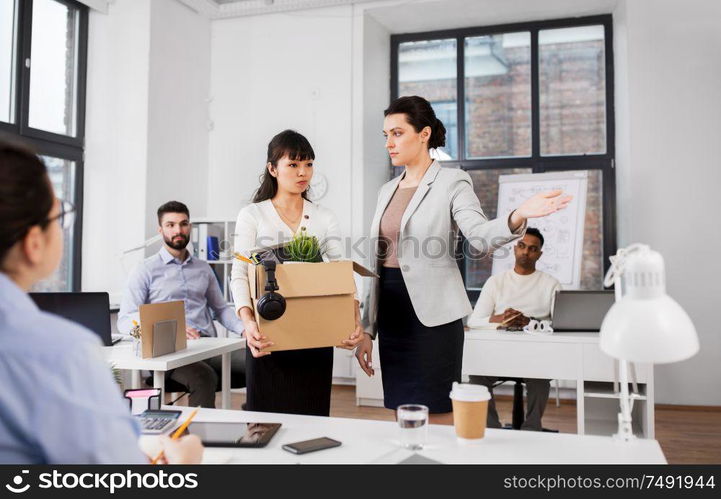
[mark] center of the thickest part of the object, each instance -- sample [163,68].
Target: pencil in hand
[510,319]
[176,435]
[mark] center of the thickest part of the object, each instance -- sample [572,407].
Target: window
[428,68]
[43,53]
[53,73]
[572,90]
[62,176]
[498,95]
[534,97]
[8,36]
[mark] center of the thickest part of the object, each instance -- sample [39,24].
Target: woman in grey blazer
[417,306]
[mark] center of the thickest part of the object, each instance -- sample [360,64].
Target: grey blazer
[427,241]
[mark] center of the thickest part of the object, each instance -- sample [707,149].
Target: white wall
[179,86]
[273,72]
[146,133]
[370,159]
[669,109]
[116,137]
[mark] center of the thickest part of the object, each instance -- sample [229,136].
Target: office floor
[688,435]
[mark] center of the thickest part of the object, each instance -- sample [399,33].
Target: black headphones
[271,305]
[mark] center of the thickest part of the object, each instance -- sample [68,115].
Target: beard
[178,243]
[526,263]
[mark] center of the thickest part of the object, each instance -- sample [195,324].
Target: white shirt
[531,294]
[259,225]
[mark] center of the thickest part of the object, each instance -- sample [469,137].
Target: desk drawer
[597,366]
[523,359]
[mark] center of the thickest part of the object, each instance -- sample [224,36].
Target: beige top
[390,226]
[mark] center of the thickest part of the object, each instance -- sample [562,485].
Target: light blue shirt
[58,403]
[161,278]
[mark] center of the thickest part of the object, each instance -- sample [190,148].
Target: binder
[203,241]
[213,247]
[194,241]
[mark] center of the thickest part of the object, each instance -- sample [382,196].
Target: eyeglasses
[66,217]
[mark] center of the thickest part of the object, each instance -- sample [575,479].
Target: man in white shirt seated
[514,298]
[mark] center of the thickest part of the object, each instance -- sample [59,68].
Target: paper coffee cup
[470,410]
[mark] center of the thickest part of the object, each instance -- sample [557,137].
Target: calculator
[157,422]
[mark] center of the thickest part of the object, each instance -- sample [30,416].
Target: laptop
[580,311]
[91,310]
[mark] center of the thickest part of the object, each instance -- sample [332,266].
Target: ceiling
[219,9]
[433,15]
[407,16]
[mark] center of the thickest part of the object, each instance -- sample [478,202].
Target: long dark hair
[419,115]
[26,195]
[287,143]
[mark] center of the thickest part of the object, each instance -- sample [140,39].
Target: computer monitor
[580,310]
[91,310]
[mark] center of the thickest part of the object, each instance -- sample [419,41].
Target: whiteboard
[562,231]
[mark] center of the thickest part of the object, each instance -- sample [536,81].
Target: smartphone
[311,445]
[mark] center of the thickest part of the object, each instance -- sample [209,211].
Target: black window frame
[49,143]
[536,162]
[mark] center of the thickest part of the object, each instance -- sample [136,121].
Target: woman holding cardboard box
[418,305]
[293,381]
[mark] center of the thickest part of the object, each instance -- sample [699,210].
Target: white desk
[122,356]
[366,441]
[572,356]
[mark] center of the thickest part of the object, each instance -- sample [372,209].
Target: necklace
[290,221]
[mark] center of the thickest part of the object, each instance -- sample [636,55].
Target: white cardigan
[259,225]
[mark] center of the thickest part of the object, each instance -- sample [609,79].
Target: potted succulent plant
[303,248]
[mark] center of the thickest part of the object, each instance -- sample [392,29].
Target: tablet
[234,434]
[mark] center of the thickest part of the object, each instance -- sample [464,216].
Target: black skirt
[418,363]
[292,382]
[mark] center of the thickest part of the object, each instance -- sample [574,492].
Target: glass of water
[413,423]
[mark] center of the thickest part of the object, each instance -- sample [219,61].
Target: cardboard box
[320,309]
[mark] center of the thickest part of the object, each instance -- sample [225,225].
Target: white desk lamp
[644,324]
[148,242]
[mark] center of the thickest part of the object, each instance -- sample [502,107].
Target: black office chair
[237,380]
[171,386]
[518,413]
